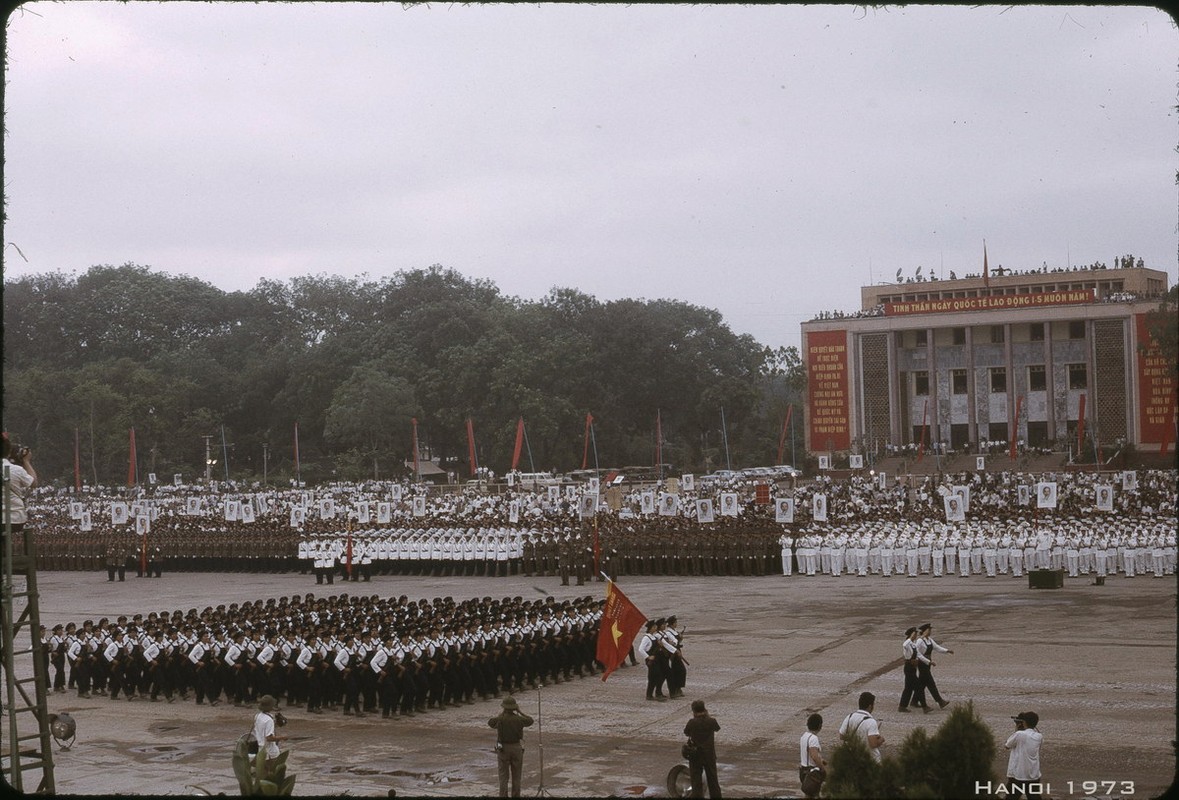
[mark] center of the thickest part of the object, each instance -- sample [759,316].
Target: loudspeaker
[1046,579]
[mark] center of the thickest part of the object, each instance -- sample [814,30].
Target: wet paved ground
[1097,663]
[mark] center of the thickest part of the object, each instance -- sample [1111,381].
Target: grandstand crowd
[990,523]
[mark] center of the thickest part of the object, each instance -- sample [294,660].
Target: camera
[20,452]
[279,719]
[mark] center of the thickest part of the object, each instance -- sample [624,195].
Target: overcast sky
[766,161]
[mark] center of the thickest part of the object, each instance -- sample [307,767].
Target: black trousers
[914,692]
[928,683]
[704,766]
[655,677]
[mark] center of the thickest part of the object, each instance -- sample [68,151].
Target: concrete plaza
[1097,663]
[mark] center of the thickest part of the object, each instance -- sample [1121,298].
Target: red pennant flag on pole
[1015,427]
[414,420]
[519,443]
[297,452]
[620,624]
[131,460]
[921,447]
[471,446]
[785,427]
[589,420]
[348,551]
[77,464]
[986,269]
[1080,426]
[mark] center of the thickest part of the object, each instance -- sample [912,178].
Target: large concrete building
[993,358]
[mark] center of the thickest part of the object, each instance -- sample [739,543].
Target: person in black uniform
[914,692]
[701,729]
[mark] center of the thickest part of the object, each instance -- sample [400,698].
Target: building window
[1076,329]
[1036,331]
[1078,376]
[920,383]
[959,335]
[921,338]
[997,432]
[998,380]
[1037,378]
[997,334]
[958,381]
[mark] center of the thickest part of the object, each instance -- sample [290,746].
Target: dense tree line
[354,360]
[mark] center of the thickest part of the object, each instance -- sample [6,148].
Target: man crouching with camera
[509,744]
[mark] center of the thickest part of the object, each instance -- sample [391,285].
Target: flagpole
[540,790]
[594,439]
[77,464]
[725,437]
[225,453]
[132,460]
[417,476]
[528,447]
[658,445]
[298,468]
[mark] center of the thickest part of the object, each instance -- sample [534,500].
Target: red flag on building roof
[986,269]
[620,624]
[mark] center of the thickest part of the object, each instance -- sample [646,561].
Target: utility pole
[265,460]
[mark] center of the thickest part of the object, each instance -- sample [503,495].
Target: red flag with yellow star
[620,624]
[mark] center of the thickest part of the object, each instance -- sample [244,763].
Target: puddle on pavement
[429,778]
[163,753]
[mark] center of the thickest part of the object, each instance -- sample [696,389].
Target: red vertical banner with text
[827,394]
[1156,390]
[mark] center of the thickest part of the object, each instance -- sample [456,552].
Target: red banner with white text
[827,395]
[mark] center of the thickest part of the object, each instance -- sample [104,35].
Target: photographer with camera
[19,476]
[1023,765]
[266,721]
[509,744]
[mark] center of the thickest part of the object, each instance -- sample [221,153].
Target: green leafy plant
[261,776]
[948,763]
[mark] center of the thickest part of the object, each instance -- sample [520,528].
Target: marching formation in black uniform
[359,654]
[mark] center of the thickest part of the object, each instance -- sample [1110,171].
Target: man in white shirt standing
[264,731]
[861,723]
[20,477]
[1023,765]
[810,755]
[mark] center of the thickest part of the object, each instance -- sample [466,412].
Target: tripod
[540,790]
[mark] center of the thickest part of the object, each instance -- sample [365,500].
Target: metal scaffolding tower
[25,744]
